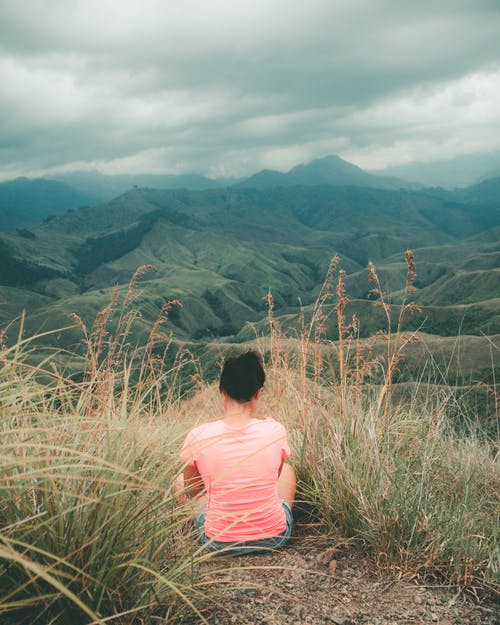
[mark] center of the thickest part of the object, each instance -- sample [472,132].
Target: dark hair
[242,376]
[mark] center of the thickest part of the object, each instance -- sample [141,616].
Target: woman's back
[240,468]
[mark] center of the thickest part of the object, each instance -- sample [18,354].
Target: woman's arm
[281,467]
[193,483]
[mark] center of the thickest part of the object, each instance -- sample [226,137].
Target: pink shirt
[239,468]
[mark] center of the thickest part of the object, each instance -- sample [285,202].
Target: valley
[220,251]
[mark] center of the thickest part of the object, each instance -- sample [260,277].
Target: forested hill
[220,251]
[26,201]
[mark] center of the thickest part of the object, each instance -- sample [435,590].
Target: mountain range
[220,251]
[26,201]
[331,170]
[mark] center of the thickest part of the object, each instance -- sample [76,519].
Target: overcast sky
[228,87]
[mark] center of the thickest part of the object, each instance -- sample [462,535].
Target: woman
[238,462]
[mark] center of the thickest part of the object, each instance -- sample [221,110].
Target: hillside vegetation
[92,531]
[220,251]
[24,202]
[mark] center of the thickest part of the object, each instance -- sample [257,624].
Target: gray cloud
[226,87]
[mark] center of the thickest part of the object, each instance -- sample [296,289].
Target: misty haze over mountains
[458,172]
[24,201]
[461,171]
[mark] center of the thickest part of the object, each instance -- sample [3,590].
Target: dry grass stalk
[396,340]
[112,361]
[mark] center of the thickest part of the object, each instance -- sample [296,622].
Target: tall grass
[413,490]
[90,531]
[404,480]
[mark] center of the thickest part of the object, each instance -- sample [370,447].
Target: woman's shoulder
[206,428]
[271,423]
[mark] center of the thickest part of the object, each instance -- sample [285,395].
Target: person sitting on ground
[236,467]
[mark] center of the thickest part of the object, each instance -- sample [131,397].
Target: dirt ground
[312,581]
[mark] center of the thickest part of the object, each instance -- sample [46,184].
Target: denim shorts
[247,546]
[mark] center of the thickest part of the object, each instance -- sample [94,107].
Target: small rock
[300,562]
[298,610]
[418,599]
[327,555]
[340,620]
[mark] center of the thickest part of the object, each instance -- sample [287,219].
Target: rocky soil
[312,581]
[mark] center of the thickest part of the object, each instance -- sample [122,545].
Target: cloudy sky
[228,87]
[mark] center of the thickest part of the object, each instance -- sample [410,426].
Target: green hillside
[24,201]
[220,251]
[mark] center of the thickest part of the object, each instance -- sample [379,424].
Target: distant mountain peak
[331,160]
[328,170]
[331,165]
